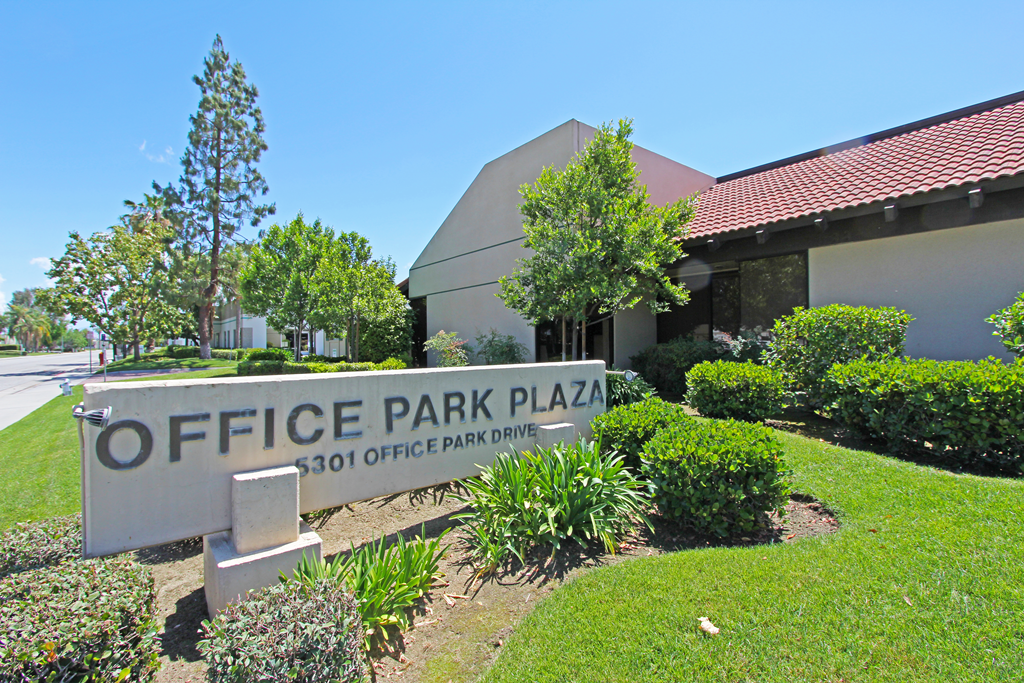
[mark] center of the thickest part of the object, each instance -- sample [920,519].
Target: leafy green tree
[28,324]
[387,330]
[115,280]
[277,281]
[495,348]
[219,182]
[599,246]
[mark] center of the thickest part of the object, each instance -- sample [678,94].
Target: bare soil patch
[460,627]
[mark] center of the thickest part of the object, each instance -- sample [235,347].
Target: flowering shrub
[452,352]
[1009,324]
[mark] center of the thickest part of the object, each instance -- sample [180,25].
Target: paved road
[27,382]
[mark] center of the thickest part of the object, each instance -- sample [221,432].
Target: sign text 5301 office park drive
[161,469]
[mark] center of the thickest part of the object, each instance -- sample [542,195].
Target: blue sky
[379,115]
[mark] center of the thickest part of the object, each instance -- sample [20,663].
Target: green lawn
[168,364]
[39,457]
[923,582]
[39,463]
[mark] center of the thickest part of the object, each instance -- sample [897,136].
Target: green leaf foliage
[970,412]
[547,497]
[268,354]
[743,391]
[305,632]
[495,348]
[807,343]
[386,330]
[451,351]
[386,580]
[719,477]
[598,245]
[76,621]
[1009,324]
[620,392]
[40,544]
[665,365]
[626,429]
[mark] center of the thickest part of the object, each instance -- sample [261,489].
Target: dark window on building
[600,341]
[419,331]
[750,294]
[771,288]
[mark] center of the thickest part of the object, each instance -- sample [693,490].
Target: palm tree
[28,325]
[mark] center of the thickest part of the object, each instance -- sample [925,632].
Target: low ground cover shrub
[716,476]
[92,620]
[742,391]
[807,343]
[392,364]
[295,631]
[547,497]
[276,367]
[626,429]
[621,392]
[30,545]
[1009,324]
[665,365]
[385,579]
[972,412]
[227,354]
[320,358]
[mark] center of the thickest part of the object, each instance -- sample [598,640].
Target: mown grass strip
[923,582]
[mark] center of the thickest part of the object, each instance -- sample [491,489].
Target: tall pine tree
[219,182]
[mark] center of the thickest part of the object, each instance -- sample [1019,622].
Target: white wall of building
[482,237]
[949,280]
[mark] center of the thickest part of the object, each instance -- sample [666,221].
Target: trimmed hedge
[627,428]
[320,358]
[30,545]
[250,368]
[392,364]
[972,412]
[294,631]
[183,351]
[93,620]
[9,347]
[807,343]
[742,391]
[281,355]
[665,365]
[721,477]
[274,367]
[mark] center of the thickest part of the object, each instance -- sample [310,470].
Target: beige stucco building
[927,217]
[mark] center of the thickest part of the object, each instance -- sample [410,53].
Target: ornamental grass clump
[569,492]
[79,621]
[719,477]
[626,429]
[809,342]
[385,579]
[305,632]
[970,412]
[742,391]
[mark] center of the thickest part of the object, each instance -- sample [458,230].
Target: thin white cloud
[41,261]
[156,158]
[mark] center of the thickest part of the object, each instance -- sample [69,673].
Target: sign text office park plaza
[237,460]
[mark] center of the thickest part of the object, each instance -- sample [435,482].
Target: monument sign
[163,467]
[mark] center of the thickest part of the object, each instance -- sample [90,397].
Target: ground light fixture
[97,418]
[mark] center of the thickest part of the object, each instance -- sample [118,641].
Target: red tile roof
[982,146]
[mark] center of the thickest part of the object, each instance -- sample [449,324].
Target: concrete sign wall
[161,469]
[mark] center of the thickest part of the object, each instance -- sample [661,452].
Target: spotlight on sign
[630,375]
[97,418]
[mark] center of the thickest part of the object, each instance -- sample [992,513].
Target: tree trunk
[204,331]
[575,334]
[238,325]
[298,342]
[584,340]
[563,338]
[136,356]
[312,341]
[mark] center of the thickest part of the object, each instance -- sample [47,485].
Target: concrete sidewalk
[28,382]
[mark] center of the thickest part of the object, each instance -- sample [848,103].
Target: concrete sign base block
[549,435]
[229,575]
[264,508]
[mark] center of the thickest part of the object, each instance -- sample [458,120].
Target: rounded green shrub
[294,631]
[809,342]
[1009,324]
[971,412]
[79,621]
[183,351]
[627,428]
[742,391]
[260,367]
[620,392]
[30,545]
[392,364]
[665,365]
[281,355]
[721,477]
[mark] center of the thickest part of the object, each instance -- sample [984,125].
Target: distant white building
[256,334]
